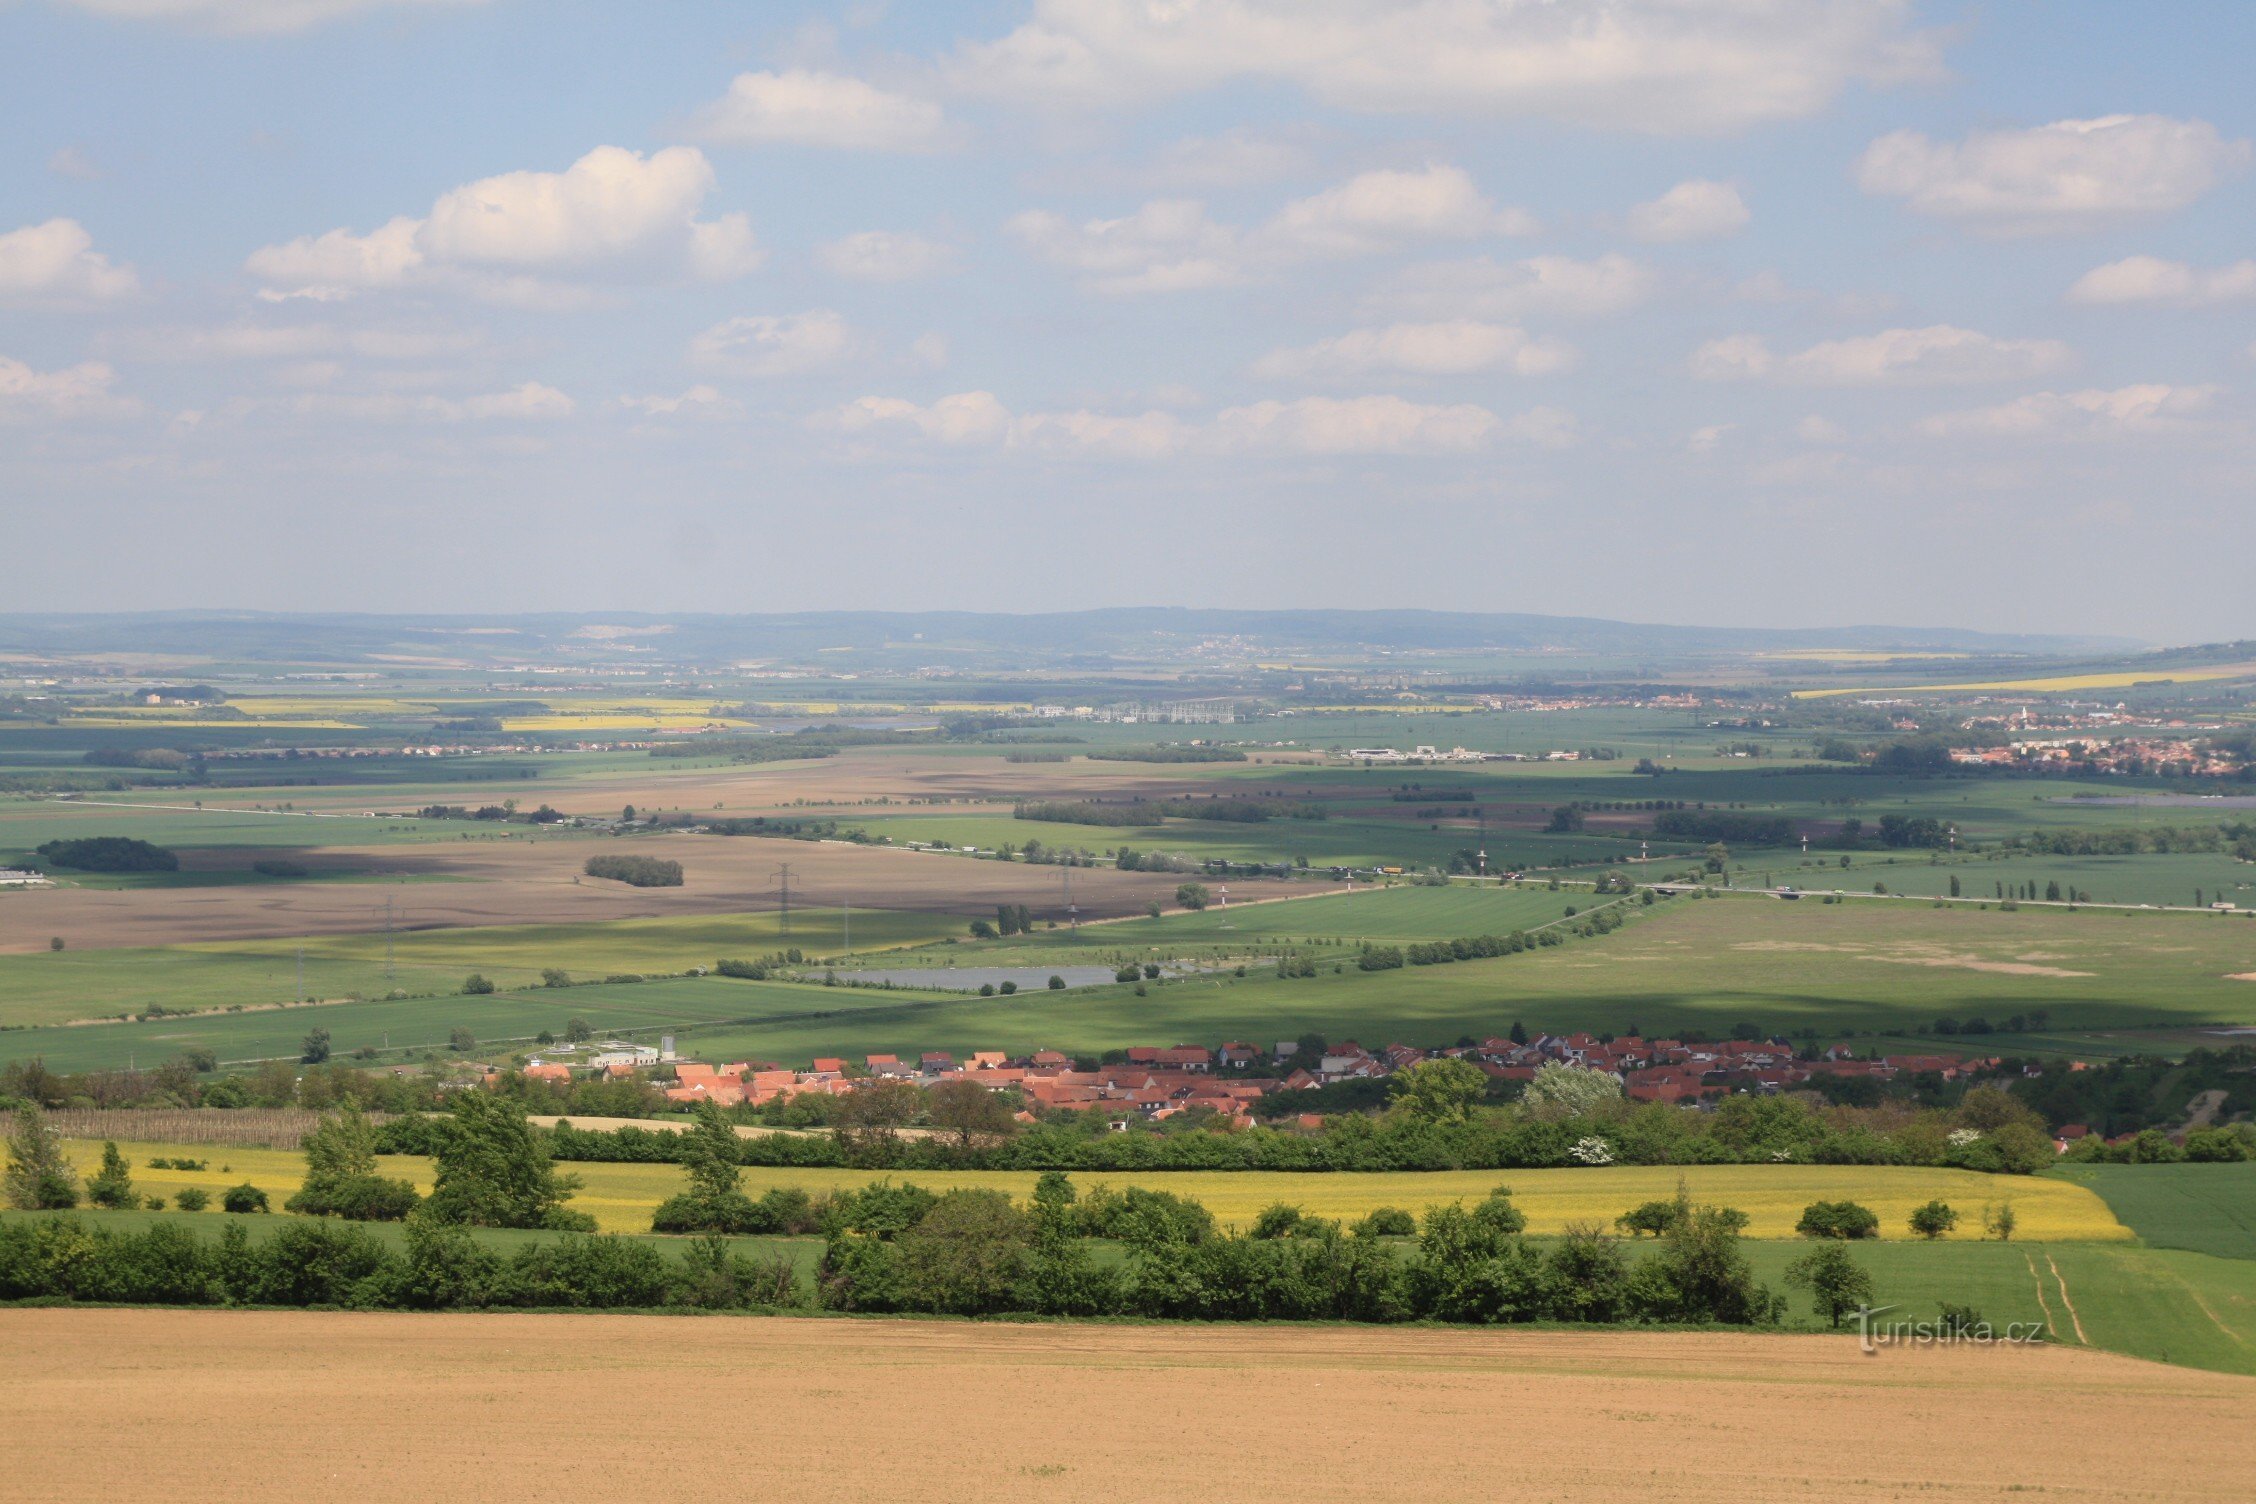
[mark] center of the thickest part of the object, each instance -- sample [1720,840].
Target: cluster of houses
[1158,1083]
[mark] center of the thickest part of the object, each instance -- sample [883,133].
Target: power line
[782,875]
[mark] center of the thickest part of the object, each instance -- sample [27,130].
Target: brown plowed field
[527,880]
[106,1405]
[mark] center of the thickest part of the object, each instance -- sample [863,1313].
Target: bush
[192,1198]
[1387,1222]
[243,1199]
[1933,1220]
[1838,1219]
[111,1188]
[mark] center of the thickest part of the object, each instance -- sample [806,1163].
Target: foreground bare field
[536,881]
[253,1406]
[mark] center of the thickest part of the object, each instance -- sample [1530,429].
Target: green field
[500,1022]
[2207,1209]
[58,986]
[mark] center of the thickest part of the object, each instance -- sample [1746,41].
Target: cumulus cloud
[250,17]
[1374,425]
[1694,210]
[1460,347]
[1230,159]
[1649,65]
[86,390]
[1171,245]
[2052,177]
[255,342]
[803,108]
[2129,411]
[884,256]
[698,401]
[531,402]
[2150,279]
[56,262]
[1555,285]
[1937,355]
[770,345]
[613,211]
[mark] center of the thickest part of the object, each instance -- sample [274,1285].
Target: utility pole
[782,874]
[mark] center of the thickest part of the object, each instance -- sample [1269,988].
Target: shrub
[1933,1220]
[112,1186]
[1655,1217]
[39,1177]
[1837,1219]
[1387,1222]
[192,1198]
[243,1199]
[1278,1221]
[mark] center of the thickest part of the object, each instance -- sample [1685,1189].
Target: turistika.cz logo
[1950,1329]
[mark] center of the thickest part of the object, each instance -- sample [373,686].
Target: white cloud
[71,162]
[1168,245]
[964,418]
[1816,429]
[2130,411]
[2051,177]
[613,211]
[85,390]
[2150,279]
[884,256]
[1172,245]
[1938,355]
[1557,285]
[1652,65]
[56,262]
[229,342]
[803,108]
[1231,159]
[1709,439]
[1375,211]
[247,16]
[531,402]
[1694,210]
[698,401]
[768,345]
[1460,347]
[1376,425]
[1356,425]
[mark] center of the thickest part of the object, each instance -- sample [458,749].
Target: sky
[1743,312]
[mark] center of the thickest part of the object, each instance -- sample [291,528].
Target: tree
[1655,1217]
[968,1110]
[1191,896]
[1519,1034]
[1057,984]
[1570,1091]
[1439,1091]
[243,1200]
[1841,1220]
[555,976]
[2000,1221]
[1837,1283]
[341,1178]
[315,1049]
[54,942]
[39,1178]
[1933,1220]
[112,1185]
[492,1171]
[461,1041]
[475,985]
[967,1256]
[577,1031]
[872,1116]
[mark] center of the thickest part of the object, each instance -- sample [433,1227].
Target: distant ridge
[691,637]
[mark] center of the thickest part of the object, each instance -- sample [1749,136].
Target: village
[1222,1084]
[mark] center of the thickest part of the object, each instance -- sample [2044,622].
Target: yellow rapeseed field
[2061,685]
[622,1197]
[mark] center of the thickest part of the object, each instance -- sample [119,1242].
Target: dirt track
[528,880]
[256,1406]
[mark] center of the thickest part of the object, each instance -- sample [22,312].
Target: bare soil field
[531,880]
[291,1406]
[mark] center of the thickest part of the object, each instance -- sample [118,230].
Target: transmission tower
[782,875]
[1072,909]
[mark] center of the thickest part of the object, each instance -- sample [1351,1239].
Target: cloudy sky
[1744,311]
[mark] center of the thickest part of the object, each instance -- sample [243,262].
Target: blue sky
[1769,312]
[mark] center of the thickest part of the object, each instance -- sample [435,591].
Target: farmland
[1075,1407]
[622,1196]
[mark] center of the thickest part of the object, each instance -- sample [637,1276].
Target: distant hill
[1131,632]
